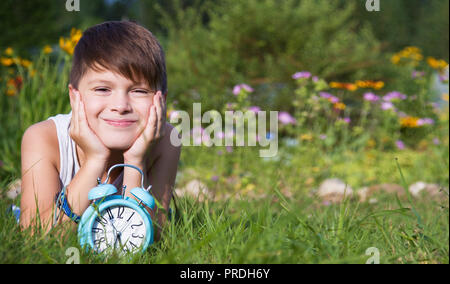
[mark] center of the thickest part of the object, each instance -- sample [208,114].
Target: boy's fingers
[152,124]
[82,116]
[75,108]
[159,112]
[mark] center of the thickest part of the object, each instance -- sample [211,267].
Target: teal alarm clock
[115,222]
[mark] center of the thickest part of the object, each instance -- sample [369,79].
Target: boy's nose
[120,103]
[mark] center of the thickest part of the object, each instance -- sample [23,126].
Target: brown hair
[123,47]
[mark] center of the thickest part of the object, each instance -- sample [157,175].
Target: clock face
[118,228]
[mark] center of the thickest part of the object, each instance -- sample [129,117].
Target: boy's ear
[72,91]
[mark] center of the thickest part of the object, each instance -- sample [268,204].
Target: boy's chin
[117,145]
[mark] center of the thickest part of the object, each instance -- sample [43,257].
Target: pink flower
[174,115]
[425,121]
[387,105]
[394,95]
[371,97]
[220,135]
[254,109]
[400,145]
[417,74]
[238,88]
[345,119]
[286,118]
[329,97]
[300,75]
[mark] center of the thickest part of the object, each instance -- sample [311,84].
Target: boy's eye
[101,90]
[141,92]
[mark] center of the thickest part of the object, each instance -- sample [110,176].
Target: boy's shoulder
[42,137]
[164,146]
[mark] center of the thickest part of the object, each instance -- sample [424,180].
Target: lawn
[271,210]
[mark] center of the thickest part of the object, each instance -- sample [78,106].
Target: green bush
[263,43]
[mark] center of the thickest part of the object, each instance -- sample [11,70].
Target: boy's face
[117,108]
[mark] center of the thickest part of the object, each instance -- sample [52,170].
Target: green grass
[274,229]
[286,224]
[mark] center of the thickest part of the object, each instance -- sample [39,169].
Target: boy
[117,92]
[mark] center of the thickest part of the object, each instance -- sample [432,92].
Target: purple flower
[238,88]
[436,141]
[387,105]
[323,136]
[254,109]
[425,121]
[371,97]
[220,135]
[302,74]
[215,178]
[286,118]
[394,95]
[345,119]
[174,115]
[417,74]
[400,145]
[315,79]
[443,78]
[329,97]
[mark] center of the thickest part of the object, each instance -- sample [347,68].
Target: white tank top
[68,160]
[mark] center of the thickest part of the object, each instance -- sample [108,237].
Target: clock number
[120,211]
[101,220]
[98,241]
[137,236]
[130,217]
[110,214]
[136,225]
[97,230]
[133,245]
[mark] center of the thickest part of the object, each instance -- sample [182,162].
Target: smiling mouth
[119,123]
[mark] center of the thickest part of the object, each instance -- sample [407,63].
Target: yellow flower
[9,51]
[371,143]
[378,85]
[6,61]
[409,122]
[445,97]
[68,44]
[346,86]
[10,92]
[339,105]
[307,137]
[436,64]
[369,84]
[395,59]
[47,49]
[414,54]
[25,63]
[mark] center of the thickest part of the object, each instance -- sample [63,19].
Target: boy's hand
[82,134]
[152,132]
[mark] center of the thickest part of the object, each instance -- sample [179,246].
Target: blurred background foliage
[213,45]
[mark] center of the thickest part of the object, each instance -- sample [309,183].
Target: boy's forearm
[82,183]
